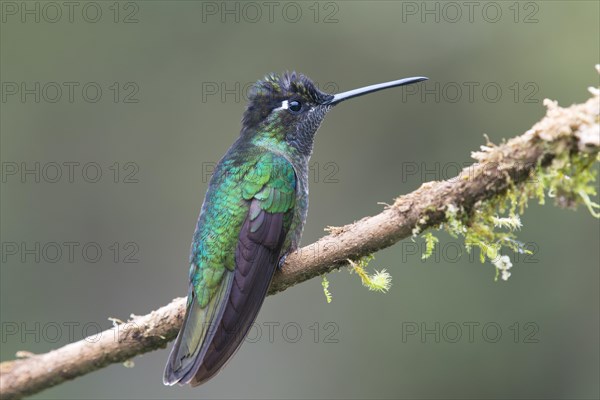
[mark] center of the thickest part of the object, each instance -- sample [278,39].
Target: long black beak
[373,88]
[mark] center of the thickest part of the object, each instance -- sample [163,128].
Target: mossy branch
[563,137]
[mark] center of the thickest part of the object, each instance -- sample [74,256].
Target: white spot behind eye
[284,105]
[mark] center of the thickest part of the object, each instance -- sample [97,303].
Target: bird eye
[295,106]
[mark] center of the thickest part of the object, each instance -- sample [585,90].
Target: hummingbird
[251,219]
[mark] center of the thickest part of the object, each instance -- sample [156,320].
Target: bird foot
[281,262]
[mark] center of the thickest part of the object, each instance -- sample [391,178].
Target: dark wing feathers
[256,259]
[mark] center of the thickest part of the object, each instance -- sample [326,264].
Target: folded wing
[212,334]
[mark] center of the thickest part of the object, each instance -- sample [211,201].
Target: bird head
[289,108]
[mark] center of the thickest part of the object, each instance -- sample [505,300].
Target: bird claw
[281,262]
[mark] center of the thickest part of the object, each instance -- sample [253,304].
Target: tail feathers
[196,334]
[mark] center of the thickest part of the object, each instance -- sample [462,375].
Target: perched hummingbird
[251,219]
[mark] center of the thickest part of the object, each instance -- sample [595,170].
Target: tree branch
[562,131]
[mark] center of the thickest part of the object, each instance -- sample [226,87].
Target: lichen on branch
[564,172]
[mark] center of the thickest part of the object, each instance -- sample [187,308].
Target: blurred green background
[169,109]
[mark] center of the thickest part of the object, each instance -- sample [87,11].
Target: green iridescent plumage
[266,177]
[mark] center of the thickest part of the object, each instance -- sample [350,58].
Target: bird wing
[212,332]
